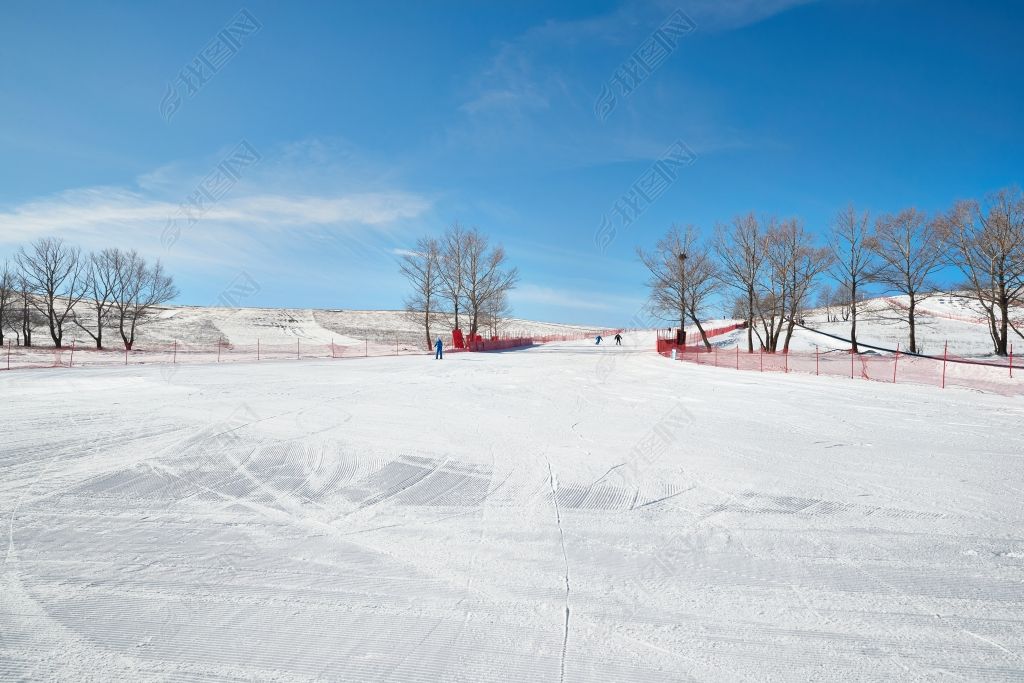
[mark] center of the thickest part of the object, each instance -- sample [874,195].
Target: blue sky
[375,123]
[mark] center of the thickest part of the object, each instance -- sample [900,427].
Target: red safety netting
[20,357]
[950,371]
[666,343]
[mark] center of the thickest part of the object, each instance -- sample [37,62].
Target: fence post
[9,354]
[737,356]
[817,363]
[895,362]
[297,353]
[174,358]
[851,363]
[716,356]
[71,361]
[1011,361]
[218,350]
[366,348]
[785,352]
[762,359]
[126,354]
[945,353]
[332,347]
[257,348]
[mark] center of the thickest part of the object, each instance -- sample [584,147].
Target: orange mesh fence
[951,371]
[20,357]
[666,343]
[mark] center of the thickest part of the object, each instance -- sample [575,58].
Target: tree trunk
[777,334]
[26,327]
[55,334]
[911,321]
[703,334]
[853,319]
[1004,311]
[789,335]
[99,328]
[750,321]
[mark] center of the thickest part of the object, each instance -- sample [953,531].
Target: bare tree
[826,299]
[682,277]
[29,316]
[800,262]
[101,283]
[451,270]
[772,288]
[987,245]
[53,272]
[8,295]
[421,269]
[737,308]
[140,288]
[486,276]
[702,282]
[853,260]
[739,249]
[495,311]
[910,251]
[843,301]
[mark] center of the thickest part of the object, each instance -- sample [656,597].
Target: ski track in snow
[392,520]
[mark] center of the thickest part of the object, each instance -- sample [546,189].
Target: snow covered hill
[881,322]
[208,325]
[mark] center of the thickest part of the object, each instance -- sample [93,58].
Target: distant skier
[438,349]
[618,339]
[598,342]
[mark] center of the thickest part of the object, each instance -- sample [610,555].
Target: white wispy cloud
[289,201]
[89,213]
[532,94]
[515,81]
[726,15]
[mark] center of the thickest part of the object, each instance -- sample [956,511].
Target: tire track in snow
[565,557]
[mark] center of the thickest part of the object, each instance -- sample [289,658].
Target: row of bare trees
[773,266]
[50,283]
[456,279]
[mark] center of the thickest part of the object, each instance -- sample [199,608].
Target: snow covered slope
[880,322]
[566,513]
[206,325]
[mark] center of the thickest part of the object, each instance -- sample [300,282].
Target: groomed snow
[569,512]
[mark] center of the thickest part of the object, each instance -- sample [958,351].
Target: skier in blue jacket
[438,349]
[598,340]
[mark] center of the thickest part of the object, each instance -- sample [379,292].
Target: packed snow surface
[567,513]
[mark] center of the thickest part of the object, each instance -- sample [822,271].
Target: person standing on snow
[438,349]
[598,342]
[618,339]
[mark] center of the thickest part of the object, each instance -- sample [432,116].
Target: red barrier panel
[667,338]
[497,344]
